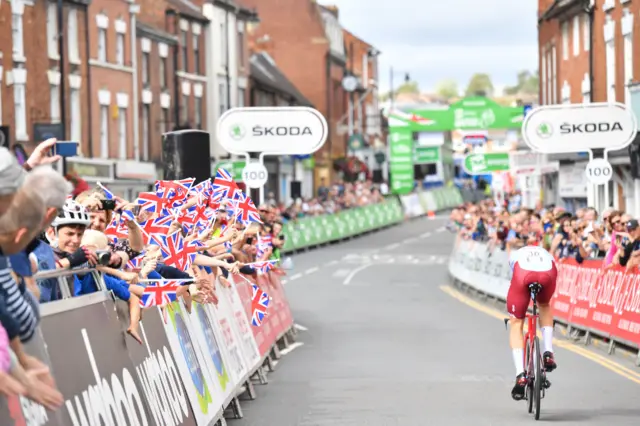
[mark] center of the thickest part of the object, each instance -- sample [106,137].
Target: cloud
[433,41]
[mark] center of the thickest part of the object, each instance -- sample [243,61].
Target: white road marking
[355,271]
[410,240]
[333,262]
[295,277]
[291,347]
[440,229]
[311,270]
[392,246]
[300,327]
[425,235]
[341,273]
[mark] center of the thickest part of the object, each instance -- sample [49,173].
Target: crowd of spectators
[611,236]
[98,241]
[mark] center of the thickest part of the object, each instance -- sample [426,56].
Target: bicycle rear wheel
[537,385]
[528,365]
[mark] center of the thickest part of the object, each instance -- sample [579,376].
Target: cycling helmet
[72,213]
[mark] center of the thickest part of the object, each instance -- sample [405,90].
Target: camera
[104,257]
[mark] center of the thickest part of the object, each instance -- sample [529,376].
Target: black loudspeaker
[4,137]
[186,153]
[296,189]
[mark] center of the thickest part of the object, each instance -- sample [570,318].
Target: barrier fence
[194,366]
[601,301]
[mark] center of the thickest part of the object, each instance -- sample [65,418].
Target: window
[102,44]
[566,93]
[19,97]
[120,49]
[52,30]
[554,76]
[185,109]
[163,73]
[146,78]
[145,131]
[196,54]
[586,31]
[183,48]
[104,131]
[17,34]
[55,103]
[72,36]
[122,133]
[241,48]
[222,95]
[543,77]
[565,40]
[164,122]
[576,35]
[610,57]
[76,115]
[223,44]
[241,97]
[628,66]
[198,113]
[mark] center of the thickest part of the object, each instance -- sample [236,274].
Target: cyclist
[530,264]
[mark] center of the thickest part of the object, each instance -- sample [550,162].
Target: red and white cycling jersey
[532,258]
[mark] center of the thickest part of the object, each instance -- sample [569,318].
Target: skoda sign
[272,130]
[556,129]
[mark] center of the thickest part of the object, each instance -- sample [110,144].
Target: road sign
[599,171]
[272,130]
[557,129]
[255,175]
[479,164]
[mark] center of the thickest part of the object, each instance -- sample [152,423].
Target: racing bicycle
[537,382]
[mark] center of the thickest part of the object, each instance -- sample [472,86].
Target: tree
[408,87]
[480,83]
[528,83]
[447,89]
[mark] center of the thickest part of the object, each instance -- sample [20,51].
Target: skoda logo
[237,132]
[544,130]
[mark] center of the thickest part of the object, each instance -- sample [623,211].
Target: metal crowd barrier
[66,284]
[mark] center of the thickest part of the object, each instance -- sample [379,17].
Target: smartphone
[66,148]
[249,240]
[109,205]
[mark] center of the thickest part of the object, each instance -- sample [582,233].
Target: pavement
[385,341]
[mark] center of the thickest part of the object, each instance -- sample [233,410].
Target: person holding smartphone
[628,245]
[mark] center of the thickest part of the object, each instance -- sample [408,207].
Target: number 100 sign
[599,171]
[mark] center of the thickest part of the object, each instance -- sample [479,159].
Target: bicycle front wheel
[537,385]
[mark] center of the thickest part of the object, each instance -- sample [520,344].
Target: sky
[433,40]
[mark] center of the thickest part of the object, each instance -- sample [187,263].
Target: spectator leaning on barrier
[628,246]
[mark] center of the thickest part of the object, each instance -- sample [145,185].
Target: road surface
[386,342]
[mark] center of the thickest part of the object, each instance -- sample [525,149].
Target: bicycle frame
[532,327]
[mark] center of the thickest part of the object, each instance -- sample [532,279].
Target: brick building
[362,61]
[308,46]
[588,52]
[270,87]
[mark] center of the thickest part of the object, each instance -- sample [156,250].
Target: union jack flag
[107,193]
[224,186]
[156,226]
[259,305]
[246,212]
[152,202]
[159,294]
[203,189]
[117,229]
[173,250]
[263,267]
[264,243]
[175,191]
[136,262]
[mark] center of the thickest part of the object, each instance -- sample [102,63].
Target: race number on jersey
[532,258]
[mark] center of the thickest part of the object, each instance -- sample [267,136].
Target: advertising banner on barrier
[200,387]
[605,301]
[242,326]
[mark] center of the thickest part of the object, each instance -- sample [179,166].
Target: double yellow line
[604,361]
